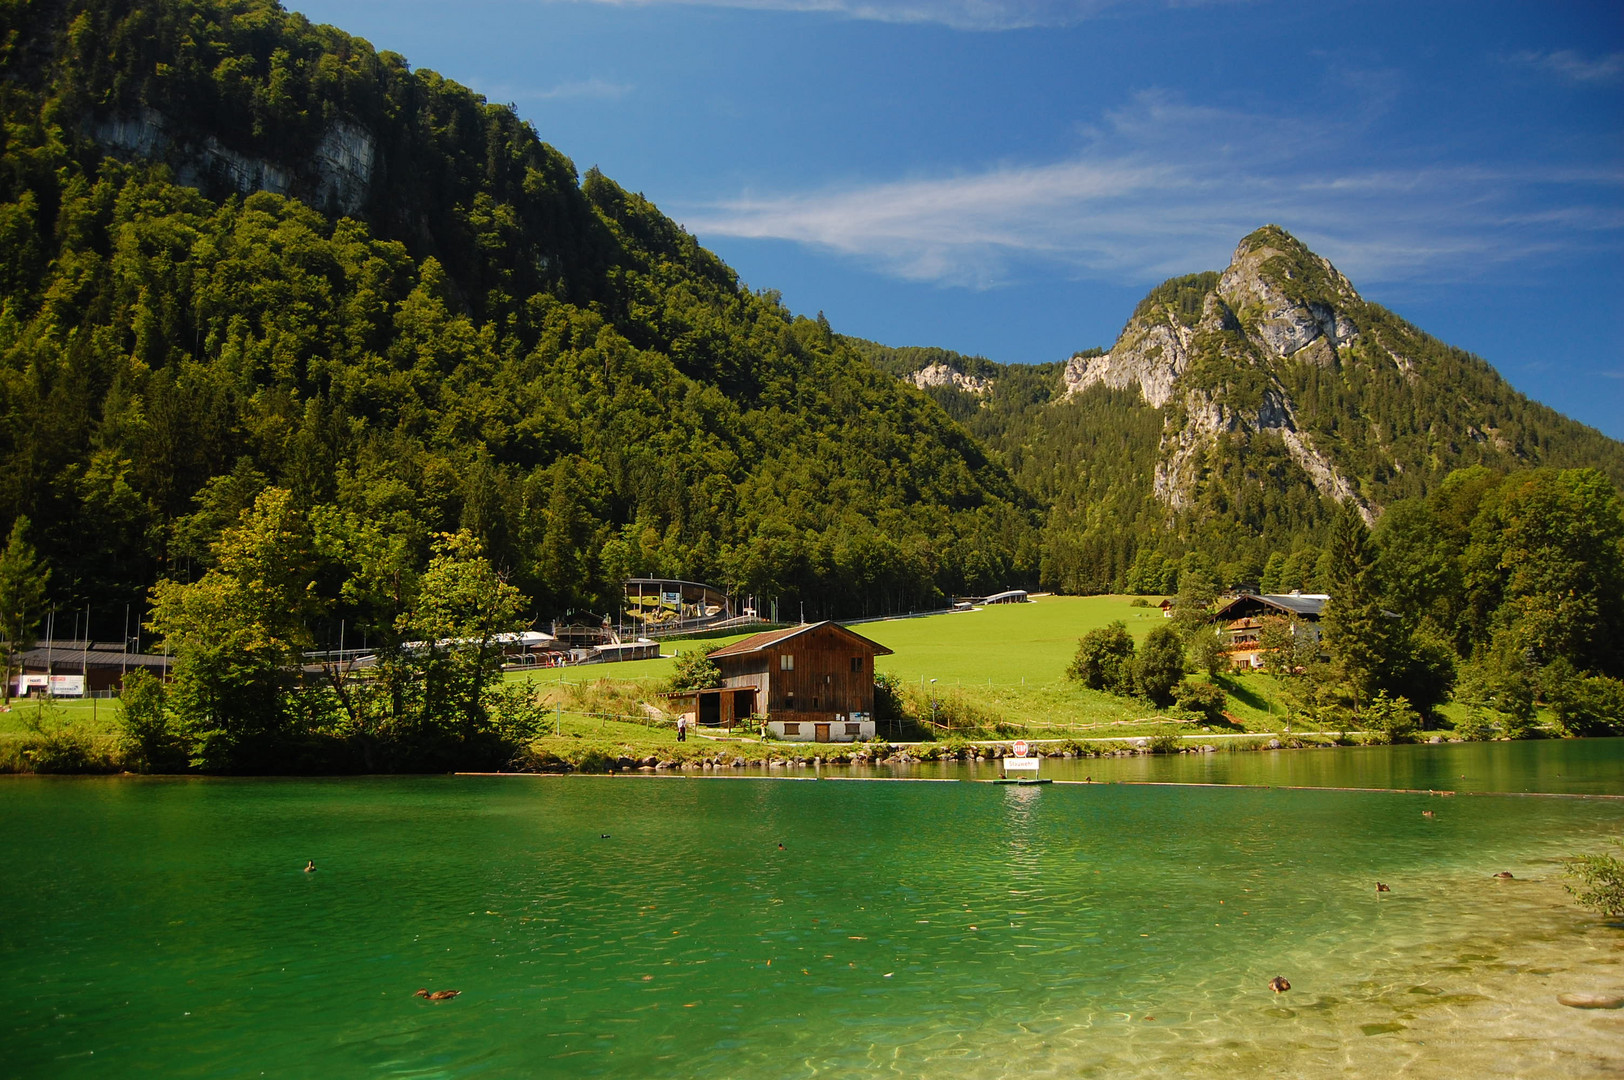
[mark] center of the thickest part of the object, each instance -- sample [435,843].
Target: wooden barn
[813,683]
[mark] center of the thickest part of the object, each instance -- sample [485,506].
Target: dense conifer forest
[479,341]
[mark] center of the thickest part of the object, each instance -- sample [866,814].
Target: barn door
[822,733]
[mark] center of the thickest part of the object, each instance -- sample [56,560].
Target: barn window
[857,665]
[814,704]
[786,662]
[789,700]
[792,729]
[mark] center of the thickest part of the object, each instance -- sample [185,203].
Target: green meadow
[992,671]
[1001,665]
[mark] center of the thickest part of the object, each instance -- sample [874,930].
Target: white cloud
[1165,187]
[1574,67]
[590,89]
[959,14]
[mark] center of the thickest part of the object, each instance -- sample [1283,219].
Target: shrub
[1104,660]
[1391,720]
[1202,702]
[1160,665]
[695,670]
[1588,706]
[518,711]
[1599,883]
[1206,651]
[1139,601]
[887,696]
[1477,725]
[150,743]
[1166,743]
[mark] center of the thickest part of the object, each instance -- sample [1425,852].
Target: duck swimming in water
[438,995]
[1381,886]
[1504,875]
[310,866]
[1279,985]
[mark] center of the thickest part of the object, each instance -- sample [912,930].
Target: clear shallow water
[164,928]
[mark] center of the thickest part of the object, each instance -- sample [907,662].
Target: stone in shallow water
[1380,1029]
[1591,1001]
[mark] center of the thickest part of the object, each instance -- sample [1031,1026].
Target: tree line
[1502,592]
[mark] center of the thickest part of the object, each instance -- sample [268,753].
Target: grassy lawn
[91,716]
[1005,663]
[1002,645]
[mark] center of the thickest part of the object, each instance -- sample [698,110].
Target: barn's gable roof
[758,642]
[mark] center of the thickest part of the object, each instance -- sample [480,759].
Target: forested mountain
[238,250]
[1233,415]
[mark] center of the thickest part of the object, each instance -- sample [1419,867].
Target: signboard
[1020,764]
[1021,748]
[28,683]
[67,686]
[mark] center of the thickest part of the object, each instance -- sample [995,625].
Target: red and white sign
[1020,747]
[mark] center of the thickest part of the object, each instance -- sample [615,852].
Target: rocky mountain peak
[1276,303]
[1288,297]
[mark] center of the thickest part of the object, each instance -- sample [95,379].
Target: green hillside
[240,250]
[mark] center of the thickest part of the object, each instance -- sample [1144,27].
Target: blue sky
[1008,177]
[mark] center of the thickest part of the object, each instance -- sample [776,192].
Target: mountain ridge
[1254,399]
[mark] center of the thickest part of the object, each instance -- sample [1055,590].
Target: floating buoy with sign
[1021,763]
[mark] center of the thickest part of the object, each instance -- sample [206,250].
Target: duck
[310,866]
[1279,984]
[1381,886]
[437,995]
[1428,813]
[1504,875]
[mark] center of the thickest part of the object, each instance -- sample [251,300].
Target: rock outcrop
[337,178]
[942,375]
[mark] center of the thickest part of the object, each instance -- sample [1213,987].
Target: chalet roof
[1305,605]
[757,642]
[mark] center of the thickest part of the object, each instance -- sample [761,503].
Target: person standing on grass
[682,728]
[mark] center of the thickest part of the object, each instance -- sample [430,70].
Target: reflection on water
[164,928]
[1570,766]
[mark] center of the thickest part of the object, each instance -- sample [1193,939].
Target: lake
[163,927]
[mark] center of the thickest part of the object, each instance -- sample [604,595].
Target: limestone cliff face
[940,374]
[1151,353]
[1220,372]
[337,178]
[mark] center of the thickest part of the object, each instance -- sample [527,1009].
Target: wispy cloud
[590,89]
[1166,187]
[1573,67]
[959,14]
[601,89]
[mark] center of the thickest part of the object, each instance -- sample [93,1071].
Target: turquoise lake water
[164,927]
